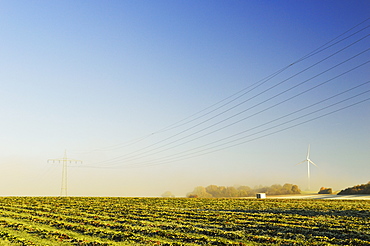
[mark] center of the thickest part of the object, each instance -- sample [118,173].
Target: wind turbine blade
[300,162]
[312,162]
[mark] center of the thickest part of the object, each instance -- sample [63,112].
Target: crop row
[117,231]
[87,221]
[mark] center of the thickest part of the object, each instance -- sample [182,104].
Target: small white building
[261,195]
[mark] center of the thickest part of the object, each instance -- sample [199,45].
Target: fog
[25,176]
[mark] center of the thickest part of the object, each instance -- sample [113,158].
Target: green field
[181,221]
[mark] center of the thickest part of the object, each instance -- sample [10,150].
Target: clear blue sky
[105,79]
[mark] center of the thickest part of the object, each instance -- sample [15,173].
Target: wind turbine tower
[65,161]
[308,166]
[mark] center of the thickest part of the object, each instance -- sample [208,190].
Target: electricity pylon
[64,160]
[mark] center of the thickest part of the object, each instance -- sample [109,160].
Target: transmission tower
[64,160]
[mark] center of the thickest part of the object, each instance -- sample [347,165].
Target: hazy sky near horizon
[168,95]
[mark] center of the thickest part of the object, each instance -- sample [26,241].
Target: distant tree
[291,189]
[200,191]
[287,189]
[168,194]
[358,189]
[214,190]
[275,189]
[231,192]
[222,191]
[245,191]
[260,189]
[296,190]
[324,190]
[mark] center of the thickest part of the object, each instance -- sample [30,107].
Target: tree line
[243,191]
[357,189]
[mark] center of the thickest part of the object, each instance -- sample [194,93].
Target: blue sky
[104,79]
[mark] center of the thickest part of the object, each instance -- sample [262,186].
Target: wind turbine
[308,166]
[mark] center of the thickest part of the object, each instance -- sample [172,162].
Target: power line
[266,79]
[120,159]
[212,150]
[261,111]
[287,115]
[182,155]
[243,92]
[143,152]
[186,157]
[243,111]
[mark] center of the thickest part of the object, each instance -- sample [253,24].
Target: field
[181,221]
